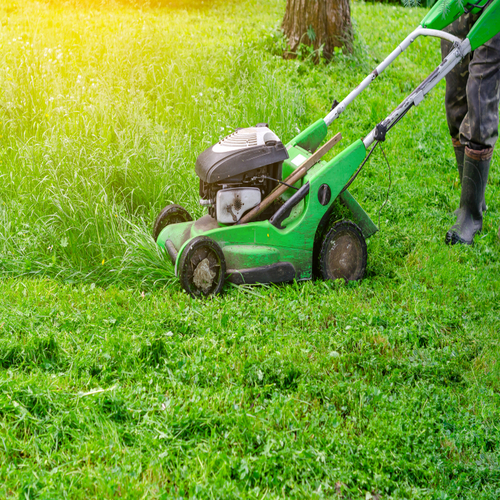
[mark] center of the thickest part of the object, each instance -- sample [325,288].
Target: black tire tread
[169,212]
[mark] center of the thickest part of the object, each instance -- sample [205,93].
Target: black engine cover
[249,157]
[214,167]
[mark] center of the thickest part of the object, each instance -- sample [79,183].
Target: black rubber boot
[470,214]
[459,155]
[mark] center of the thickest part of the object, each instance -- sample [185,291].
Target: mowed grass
[116,384]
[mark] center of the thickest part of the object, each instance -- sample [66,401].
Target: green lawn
[114,383]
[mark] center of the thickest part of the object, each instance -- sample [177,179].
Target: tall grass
[104,112]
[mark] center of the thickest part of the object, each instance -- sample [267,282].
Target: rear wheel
[343,253]
[171,214]
[202,267]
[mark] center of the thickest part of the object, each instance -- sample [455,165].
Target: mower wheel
[171,214]
[343,253]
[202,267]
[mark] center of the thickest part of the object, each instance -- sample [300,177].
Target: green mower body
[263,252]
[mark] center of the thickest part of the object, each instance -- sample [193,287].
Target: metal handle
[338,110]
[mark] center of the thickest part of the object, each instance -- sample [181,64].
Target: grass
[115,384]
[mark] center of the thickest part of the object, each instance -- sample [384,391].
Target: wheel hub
[344,257]
[343,253]
[203,276]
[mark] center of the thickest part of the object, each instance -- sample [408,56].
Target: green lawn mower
[271,207]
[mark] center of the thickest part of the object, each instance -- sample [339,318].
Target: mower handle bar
[340,108]
[460,50]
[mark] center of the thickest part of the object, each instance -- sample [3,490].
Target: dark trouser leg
[479,129]
[456,80]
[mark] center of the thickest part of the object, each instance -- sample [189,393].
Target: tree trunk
[318,23]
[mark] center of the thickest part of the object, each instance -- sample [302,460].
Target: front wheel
[171,214]
[343,253]
[202,267]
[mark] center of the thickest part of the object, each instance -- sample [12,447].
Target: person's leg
[479,132]
[456,90]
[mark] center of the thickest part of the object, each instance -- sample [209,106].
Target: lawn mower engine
[239,171]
